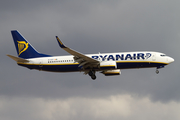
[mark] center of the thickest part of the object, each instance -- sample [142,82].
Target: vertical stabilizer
[24,48]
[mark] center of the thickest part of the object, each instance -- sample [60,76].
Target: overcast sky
[90,26]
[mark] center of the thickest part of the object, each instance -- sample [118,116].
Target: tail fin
[24,48]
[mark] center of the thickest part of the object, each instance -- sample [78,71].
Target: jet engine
[112,72]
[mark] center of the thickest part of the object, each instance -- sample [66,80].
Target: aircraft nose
[170,60]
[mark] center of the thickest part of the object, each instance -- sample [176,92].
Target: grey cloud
[123,106]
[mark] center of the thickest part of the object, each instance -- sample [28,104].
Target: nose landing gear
[157,71]
[159,67]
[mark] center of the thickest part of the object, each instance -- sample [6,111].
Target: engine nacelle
[112,72]
[108,65]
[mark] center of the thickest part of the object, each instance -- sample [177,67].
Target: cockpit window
[162,55]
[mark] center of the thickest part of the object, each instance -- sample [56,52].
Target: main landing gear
[92,74]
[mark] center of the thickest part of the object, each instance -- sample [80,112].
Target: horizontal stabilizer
[17,59]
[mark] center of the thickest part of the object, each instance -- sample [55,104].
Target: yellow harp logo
[22,46]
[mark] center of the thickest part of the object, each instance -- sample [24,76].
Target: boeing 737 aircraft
[106,63]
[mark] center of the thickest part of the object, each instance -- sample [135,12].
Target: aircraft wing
[79,57]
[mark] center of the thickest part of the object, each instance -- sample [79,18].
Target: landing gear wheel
[92,74]
[93,77]
[157,71]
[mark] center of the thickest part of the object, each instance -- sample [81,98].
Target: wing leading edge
[78,57]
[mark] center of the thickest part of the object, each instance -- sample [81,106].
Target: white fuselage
[124,60]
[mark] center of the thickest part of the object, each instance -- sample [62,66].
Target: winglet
[60,43]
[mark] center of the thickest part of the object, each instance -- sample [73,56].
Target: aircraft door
[154,57]
[41,63]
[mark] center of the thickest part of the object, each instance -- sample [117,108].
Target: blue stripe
[127,65]
[53,68]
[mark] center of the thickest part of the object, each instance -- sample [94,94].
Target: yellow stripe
[47,64]
[111,72]
[100,66]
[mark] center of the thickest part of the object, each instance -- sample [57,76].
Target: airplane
[109,64]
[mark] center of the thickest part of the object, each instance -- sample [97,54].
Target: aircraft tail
[24,48]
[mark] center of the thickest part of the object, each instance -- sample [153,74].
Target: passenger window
[162,55]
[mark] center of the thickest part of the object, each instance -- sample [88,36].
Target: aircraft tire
[93,77]
[157,71]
